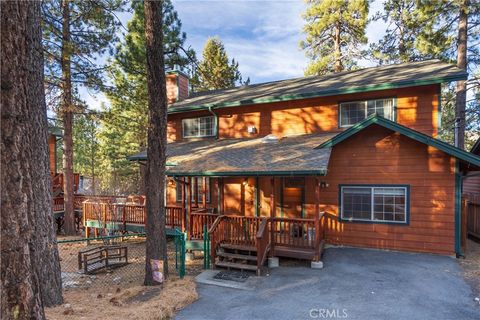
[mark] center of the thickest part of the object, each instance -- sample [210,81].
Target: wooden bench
[103,257]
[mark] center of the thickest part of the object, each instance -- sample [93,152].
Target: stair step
[233,265]
[237,256]
[238,247]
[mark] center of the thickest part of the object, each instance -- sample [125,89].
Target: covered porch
[250,199]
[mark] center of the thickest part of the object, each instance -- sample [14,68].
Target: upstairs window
[198,127]
[375,204]
[356,111]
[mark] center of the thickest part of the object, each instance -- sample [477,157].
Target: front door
[293,195]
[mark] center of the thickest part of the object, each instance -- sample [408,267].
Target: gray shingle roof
[230,157]
[368,79]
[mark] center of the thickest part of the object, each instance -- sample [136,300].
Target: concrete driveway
[354,284]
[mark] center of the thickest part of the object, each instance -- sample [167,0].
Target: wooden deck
[233,241]
[132,218]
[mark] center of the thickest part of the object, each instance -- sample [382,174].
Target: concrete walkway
[355,284]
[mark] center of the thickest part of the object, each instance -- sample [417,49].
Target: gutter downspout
[210,109]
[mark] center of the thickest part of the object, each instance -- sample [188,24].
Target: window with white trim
[199,190]
[356,111]
[198,127]
[375,204]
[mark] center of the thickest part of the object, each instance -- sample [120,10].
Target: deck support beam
[184,211]
[195,190]
[204,199]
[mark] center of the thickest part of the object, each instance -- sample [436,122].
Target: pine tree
[215,71]
[76,32]
[450,26]
[156,246]
[124,125]
[30,266]
[335,31]
[85,141]
[404,24]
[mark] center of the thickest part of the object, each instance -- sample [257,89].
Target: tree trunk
[30,269]
[461,97]
[67,117]
[337,67]
[157,140]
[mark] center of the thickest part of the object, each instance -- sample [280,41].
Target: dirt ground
[116,303]
[118,293]
[471,266]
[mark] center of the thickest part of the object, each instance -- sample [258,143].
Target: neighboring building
[471,182]
[360,145]
[55,134]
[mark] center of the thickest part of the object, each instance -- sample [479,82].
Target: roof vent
[271,138]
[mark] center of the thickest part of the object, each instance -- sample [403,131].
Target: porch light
[324,184]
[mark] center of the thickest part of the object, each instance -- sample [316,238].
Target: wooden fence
[471,213]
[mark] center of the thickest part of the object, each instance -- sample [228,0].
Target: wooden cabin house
[348,159]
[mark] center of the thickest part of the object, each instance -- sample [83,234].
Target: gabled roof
[415,135]
[363,80]
[291,155]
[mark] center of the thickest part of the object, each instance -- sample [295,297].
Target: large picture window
[356,111]
[199,190]
[376,203]
[198,127]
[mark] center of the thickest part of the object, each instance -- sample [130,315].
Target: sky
[262,36]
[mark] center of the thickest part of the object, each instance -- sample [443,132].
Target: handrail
[262,244]
[198,220]
[215,224]
[319,235]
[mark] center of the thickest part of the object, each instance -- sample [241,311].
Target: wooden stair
[239,257]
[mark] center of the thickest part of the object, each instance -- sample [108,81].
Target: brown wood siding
[417,108]
[379,156]
[471,184]
[53,153]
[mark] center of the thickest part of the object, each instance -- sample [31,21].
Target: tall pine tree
[216,71]
[404,23]
[451,25]
[76,33]
[124,125]
[335,31]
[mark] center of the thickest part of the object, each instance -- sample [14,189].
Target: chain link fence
[113,261]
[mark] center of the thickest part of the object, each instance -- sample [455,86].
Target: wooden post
[221,191]
[184,215]
[195,190]
[189,199]
[204,192]
[273,225]
[317,197]
[272,198]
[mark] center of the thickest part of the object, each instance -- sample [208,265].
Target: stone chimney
[177,86]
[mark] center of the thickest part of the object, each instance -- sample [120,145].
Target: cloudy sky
[263,36]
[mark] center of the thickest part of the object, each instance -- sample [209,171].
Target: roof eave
[323,93]
[321,172]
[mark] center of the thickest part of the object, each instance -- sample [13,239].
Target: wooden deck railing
[197,221]
[298,233]
[237,230]
[58,204]
[263,244]
[127,214]
[293,232]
